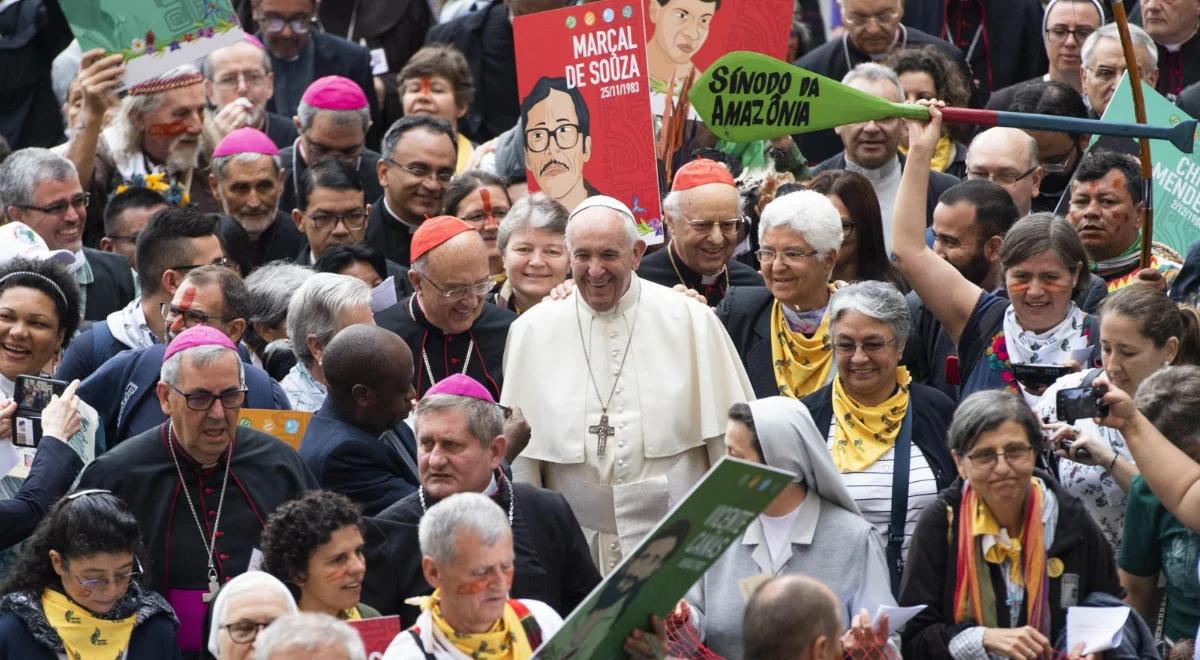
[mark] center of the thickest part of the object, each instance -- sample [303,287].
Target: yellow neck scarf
[801,363]
[351,614]
[85,637]
[506,639]
[863,434]
[943,155]
[1005,547]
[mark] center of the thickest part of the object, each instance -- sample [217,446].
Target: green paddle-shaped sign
[748,96]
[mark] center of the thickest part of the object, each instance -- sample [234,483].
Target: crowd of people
[948,335]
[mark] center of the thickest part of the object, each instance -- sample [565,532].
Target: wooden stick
[1139,110]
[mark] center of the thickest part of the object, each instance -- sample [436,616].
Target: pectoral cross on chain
[603,432]
[213,587]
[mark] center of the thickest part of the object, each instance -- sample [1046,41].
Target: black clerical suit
[280,240]
[264,473]
[389,234]
[444,353]
[485,38]
[1178,69]
[553,562]
[32,33]
[294,168]
[666,268]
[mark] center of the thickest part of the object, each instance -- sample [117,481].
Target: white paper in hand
[897,616]
[384,294]
[1099,628]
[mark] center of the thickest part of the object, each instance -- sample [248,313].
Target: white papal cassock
[669,408]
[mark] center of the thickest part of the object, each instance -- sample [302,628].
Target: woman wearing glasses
[862,255]
[481,200]
[74,594]
[246,604]
[781,331]
[1043,263]
[886,433]
[1005,550]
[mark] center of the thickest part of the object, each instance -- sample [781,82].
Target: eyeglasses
[790,257]
[481,288]
[1001,178]
[1061,165]
[477,218]
[315,151]
[132,238]
[882,18]
[231,81]
[987,459]
[423,171]
[565,136]
[1106,74]
[245,631]
[1058,34]
[78,202]
[274,24]
[848,227]
[203,401]
[705,227]
[223,261]
[325,222]
[191,317]
[869,347]
[121,581]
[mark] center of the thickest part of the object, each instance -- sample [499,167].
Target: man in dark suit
[41,189]
[872,148]
[369,376]
[32,33]
[299,55]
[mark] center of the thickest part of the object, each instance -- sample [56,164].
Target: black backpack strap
[900,477]
[1090,377]
[416,635]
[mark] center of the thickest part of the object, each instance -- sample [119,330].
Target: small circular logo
[244,422]
[570,22]
[589,18]
[609,15]
[627,12]
[291,426]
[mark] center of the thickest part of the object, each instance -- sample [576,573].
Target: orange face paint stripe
[169,129]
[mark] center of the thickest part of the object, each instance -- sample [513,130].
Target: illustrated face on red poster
[585,105]
[682,35]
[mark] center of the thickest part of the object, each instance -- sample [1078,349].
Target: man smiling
[558,140]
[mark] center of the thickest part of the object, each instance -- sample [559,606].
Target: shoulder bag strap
[900,477]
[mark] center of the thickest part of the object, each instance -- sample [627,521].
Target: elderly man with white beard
[157,131]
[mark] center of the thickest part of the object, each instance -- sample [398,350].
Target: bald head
[1009,156]
[369,371]
[800,605]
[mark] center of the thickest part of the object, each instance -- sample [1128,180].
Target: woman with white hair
[246,604]
[310,635]
[322,306]
[781,331]
[886,433]
[532,243]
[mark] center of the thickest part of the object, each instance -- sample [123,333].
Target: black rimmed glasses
[481,288]
[565,136]
[1059,33]
[325,222]
[79,202]
[191,317]
[203,401]
[986,459]
[245,631]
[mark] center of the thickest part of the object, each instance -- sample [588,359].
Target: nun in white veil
[812,527]
[244,606]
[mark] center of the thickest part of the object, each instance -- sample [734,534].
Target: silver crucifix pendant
[213,587]
[603,432]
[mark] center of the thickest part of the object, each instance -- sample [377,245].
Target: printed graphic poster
[377,633]
[585,106]
[672,558]
[683,36]
[155,36]
[286,425]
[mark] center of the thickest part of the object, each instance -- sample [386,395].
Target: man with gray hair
[319,309]
[271,288]
[199,483]
[461,441]
[641,378]
[333,119]
[1103,64]
[467,556]
[309,635]
[1008,157]
[872,148]
[239,83]
[41,189]
[156,131]
[246,177]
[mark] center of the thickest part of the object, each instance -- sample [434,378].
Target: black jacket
[834,60]
[746,314]
[1187,282]
[281,130]
[32,33]
[1189,100]
[388,234]
[446,353]
[938,182]
[932,412]
[294,168]
[658,268]
[929,575]
[553,562]
[54,469]
[113,287]
[280,240]
[485,37]
[398,273]
[360,465]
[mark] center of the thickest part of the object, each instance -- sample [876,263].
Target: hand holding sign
[748,96]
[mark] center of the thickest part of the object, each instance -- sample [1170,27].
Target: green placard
[1176,174]
[653,578]
[748,96]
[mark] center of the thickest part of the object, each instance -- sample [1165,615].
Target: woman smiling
[531,242]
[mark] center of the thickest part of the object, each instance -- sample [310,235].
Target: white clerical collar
[388,207]
[627,301]
[492,488]
[888,169]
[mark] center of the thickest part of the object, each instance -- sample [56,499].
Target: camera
[1081,403]
[32,395]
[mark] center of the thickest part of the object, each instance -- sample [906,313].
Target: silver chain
[211,545]
[588,359]
[512,497]
[425,356]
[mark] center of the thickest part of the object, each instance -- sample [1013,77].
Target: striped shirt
[872,490]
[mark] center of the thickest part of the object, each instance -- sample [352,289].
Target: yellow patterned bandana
[506,639]
[84,636]
[863,434]
[801,363]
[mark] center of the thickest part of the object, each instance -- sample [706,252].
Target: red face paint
[425,86]
[169,129]
[489,220]
[478,586]
[186,300]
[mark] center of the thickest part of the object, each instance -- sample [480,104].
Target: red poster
[377,633]
[581,74]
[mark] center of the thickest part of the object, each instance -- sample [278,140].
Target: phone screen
[32,395]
